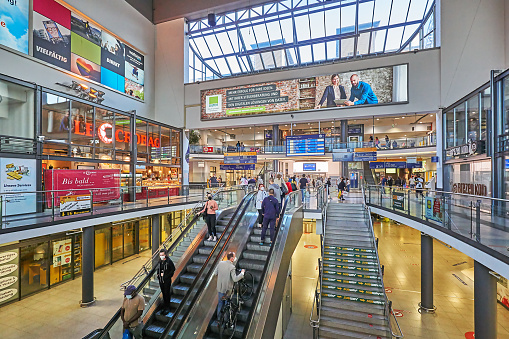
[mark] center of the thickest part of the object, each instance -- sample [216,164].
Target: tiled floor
[399,248]
[56,314]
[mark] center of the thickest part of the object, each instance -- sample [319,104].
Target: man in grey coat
[226,276]
[276,188]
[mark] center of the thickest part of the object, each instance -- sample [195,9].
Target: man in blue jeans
[226,276]
[270,212]
[303,182]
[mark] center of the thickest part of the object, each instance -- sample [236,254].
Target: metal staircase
[350,297]
[368,174]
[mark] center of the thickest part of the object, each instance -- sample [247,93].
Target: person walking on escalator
[270,211]
[132,309]
[260,195]
[210,209]
[165,272]
[342,189]
[226,276]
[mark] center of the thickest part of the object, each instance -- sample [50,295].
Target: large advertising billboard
[71,41]
[14,24]
[383,85]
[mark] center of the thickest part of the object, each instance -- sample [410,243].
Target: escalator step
[200,259]
[180,289]
[256,247]
[239,329]
[187,278]
[250,264]
[256,255]
[205,250]
[194,268]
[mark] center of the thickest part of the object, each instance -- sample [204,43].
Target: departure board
[298,145]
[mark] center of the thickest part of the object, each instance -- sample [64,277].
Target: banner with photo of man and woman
[383,85]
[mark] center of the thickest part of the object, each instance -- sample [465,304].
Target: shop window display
[474,117]
[460,122]
[56,124]
[117,243]
[61,265]
[145,234]
[17,115]
[34,263]
[130,247]
[102,247]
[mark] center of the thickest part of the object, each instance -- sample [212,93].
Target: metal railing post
[53,206]
[408,201]
[122,200]
[168,195]
[478,221]
[92,202]
[148,193]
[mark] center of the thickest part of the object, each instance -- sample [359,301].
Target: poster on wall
[71,41]
[18,176]
[75,204]
[62,252]
[434,209]
[14,24]
[398,200]
[104,182]
[503,291]
[52,41]
[384,85]
[9,267]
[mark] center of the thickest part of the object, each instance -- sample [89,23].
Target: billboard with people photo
[376,86]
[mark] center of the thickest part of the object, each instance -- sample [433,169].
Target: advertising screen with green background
[383,85]
[71,41]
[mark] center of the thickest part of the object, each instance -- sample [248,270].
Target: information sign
[343,156]
[237,167]
[398,200]
[75,204]
[434,209]
[364,156]
[241,159]
[376,165]
[298,145]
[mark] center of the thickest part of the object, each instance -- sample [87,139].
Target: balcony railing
[9,144]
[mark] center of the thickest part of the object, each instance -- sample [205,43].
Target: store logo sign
[472,189]
[120,135]
[213,103]
[473,147]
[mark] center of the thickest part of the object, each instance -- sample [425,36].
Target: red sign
[104,183]
[120,135]
[208,149]
[470,335]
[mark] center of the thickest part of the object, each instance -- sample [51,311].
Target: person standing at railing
[210,209]
[132,309]
[270,211]
[377,143]
[165,272]
[419,185]
[411,182]
[260,195]
[329,185]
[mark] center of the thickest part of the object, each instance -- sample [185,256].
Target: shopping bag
[127,334]
[339,194]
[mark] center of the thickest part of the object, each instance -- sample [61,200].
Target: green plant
[194,137]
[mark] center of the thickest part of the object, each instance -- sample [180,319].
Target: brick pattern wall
[287,87]
[379,79]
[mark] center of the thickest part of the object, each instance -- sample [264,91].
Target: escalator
[264,263]
[193,253]
[180,285]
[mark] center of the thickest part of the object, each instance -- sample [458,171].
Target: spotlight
[75,85]
[83,87]
[100,94]
[212,19]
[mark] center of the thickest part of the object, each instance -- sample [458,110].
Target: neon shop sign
[104,131]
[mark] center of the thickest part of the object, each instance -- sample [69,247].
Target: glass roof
[294,33]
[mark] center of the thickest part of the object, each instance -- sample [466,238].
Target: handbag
[204,214]
[127,334]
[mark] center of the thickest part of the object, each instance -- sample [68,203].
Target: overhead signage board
[71,41]
[14,24]
[342,156]
[75,204]
[376,165]
[383,85]
[365,156]
[241,159]
[305,145]
[237,167]
[395,164]
[411,160]
[234,154]
[309,167]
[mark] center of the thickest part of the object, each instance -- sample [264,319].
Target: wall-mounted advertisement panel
[9,271]
[14,24]
[16,177]
[384,85]
[71,41]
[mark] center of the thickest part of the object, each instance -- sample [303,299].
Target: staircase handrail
[315,323]
[387,307]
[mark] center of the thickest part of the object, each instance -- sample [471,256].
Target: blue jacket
[270,207]
[329,95]
[364,94]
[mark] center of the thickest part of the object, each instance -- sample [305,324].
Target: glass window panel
[82,124]
[363,43]
[302,27]
[416,10]
[222,66]
[256,60]
[55,118]
[332,50]
[460,125]
[409,30]
[365,15]
[317,25]
[449,128]
[274,33]
[129,239]
[319,52]
[473,118]
[201,47]
[332,21]
[377,41]
[104,120]
[34,262]
[102,247]
[145,234]
[234,65]
[348,19]
[224,42]
[117,243]
[394,39]
[268,60]
[305,54]
[175,143]
[213,45]
[280,57]
[262,38]
[16,110]
[347,47]
[287,29]
[141,137]
[429,40]
[123,132]
[249,38]
[292,56]
[382,10]
[486,106]
[154,143]
[399,11]
[234,38]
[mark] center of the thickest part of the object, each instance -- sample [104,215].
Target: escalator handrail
[247,199]
[264,272]
[149,274]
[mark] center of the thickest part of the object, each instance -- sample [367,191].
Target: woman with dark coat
[332,92]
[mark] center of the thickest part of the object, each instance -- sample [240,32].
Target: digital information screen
[298,145]
[309,167]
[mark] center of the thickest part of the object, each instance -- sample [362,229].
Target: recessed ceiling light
[215,130]
[377,119]
[402,117]
[309,123]
[405,135]
[286,125]
[233,129]
[396,118]
[420,122]
[249,127]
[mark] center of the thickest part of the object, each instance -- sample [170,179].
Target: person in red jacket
[289,185]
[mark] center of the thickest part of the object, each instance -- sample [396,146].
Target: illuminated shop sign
[473,147]
[474,189]
[104,131]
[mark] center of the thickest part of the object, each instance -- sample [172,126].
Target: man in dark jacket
[270,212]
[165,272]
[342,188]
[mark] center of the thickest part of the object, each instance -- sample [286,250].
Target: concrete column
[344,138]
[156,232]
[275,135]
[87,282]
[485,303]
[426,303]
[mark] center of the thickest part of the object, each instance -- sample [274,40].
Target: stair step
[340,271]
[338,287]
[194,268]
[205,250]
[200,258]
[354,326]
[349,255]
[343,231]
[347,249]
[180,289]
[250,264]
[353,238]
[327,332]
[342,295]
[332,278]
[365,317]
[187,278]
[257,247]
[346,243]
[348,305]
[347,261]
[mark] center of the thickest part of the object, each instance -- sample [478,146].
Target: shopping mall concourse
[254,169]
